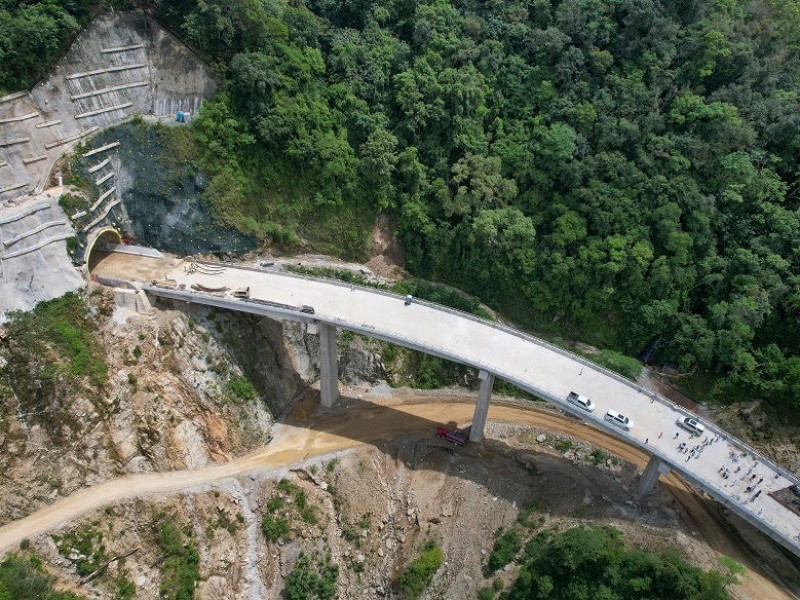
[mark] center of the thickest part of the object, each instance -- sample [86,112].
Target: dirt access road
[307,436]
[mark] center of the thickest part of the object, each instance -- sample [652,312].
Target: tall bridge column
[481,406]
[328,366]
[650,476]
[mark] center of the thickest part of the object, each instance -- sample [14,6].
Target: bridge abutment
[328,365]
[650,475]
[481,406]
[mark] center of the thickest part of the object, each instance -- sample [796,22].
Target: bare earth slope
[604,498]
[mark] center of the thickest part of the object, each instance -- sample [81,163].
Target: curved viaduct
[527,362]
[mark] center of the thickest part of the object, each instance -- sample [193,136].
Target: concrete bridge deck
[529,363]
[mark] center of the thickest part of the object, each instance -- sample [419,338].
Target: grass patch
[72,203]
[274,504]
[180,569]
[419,573]
[626,366]
[241,388]
[527,516]
[51,353]
[62,325]
[305,510]
[274,528]
[73,244]
[83,547]
[486,594]
[563,445]
[25,578]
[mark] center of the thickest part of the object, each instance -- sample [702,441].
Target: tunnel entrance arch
[96,245]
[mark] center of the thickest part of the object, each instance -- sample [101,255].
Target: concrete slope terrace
[529,363]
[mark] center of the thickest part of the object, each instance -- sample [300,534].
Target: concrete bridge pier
[650,475]
[481,406]
[328,365]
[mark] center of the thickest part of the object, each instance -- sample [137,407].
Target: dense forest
[625,171]
[585,563]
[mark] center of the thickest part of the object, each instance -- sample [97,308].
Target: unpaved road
[321,434]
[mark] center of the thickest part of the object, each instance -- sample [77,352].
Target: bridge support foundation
[481,406]
[328,366]
[650,476]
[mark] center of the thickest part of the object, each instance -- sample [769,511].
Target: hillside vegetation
[626,169]
[622,172]
[593,562]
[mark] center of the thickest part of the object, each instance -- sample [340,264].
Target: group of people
[749,482]
[747,479]
[695,450]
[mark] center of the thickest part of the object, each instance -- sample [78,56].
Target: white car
[581,401]
[692,425]
[619,420]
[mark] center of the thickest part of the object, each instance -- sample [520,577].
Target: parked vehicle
[619,420]
[692,425]
[451,435]
[307,309]
[242,292]
[581,401]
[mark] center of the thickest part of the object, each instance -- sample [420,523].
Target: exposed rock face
[122,64]
[171,402]
[186,388]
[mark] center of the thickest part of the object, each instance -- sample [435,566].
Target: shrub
[312,577]
[87,544]
[595,563]
[420,572]
[624,365]
[64,325]
[241,388]
[274,528]
[506,547]
[598,456]
[563,445]
[72,203]
[180,569]
[25,578]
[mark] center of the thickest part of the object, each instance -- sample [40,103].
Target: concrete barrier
[132,299]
